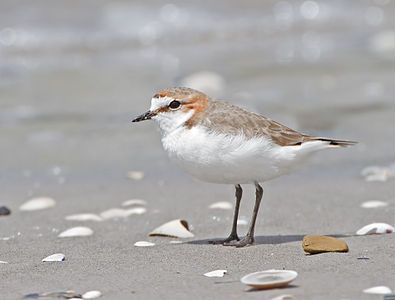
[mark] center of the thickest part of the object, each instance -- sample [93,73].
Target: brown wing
[230,119]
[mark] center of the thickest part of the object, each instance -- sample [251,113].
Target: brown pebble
[315,244]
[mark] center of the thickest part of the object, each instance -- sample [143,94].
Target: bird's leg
[249,238]
[233,234]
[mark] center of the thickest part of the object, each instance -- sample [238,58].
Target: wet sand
[65,112]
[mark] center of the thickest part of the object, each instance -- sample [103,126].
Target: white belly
[222,158]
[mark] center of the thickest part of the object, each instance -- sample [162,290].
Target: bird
[219,142]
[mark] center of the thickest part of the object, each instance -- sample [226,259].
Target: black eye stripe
[174,104]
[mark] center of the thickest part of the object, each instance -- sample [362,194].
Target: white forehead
[160,102]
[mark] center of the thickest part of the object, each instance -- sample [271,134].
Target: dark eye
[174,104]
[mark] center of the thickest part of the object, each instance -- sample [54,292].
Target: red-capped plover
[219,142]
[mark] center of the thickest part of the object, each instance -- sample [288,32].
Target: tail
[335,143]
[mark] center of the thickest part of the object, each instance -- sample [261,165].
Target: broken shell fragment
[115,213]
[176,228]
[54,257]
[378,290]
[216,273]
[135,175]
[269,279]
[84,217]
[144,244]
[91,295]
[76,231]
[373,204]
[134,202]
[38,204]
[4,211]
[284,297]
[221,205]
[375,228]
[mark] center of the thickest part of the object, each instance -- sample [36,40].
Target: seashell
[84,217]
[135,175]
[375,228]
[176,228]
[134,202]
[4,211]
[3,262]
[91,295]
[269,279]
[221,205]
[206,81]
[58,295]
[76,231]
[216,273]
[379,290]
[55,257]
[374,204]
[114,213]
[284,297]
[175,242]
[37,204]
[242,221]
[144,244]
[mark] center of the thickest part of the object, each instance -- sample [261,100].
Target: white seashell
[374,204]
[135,175]
[37,204]
[55,257]
[114,213]
[134,202]
[379,290]
[375,228]
[377,173]
[221,205]
[3,262]
[206,81]
[242,221]
[269,279]
[91,295]
[284,297]
[144,244]
[216,273]
[76,231]
[176,228]
[84,217]
[176,242]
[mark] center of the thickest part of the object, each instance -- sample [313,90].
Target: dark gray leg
[233,234]
[249,238]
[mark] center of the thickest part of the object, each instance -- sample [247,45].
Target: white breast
[224,158]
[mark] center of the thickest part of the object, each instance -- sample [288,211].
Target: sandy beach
[71,80]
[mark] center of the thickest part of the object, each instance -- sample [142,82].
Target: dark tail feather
[340,143]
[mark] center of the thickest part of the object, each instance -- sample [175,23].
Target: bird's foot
[245,241]
[229,239]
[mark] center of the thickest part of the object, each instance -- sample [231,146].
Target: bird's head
[175,107]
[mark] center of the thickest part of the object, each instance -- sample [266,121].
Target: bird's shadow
[270,239]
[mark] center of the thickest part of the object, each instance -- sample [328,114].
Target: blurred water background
[74,73]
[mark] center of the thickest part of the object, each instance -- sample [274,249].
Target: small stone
[315,244]
[3,262]
[374,204]
[55,257]
[4,211]
[134,202]
[91,295]
[84,217]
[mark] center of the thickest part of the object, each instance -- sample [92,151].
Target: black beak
[145,116]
